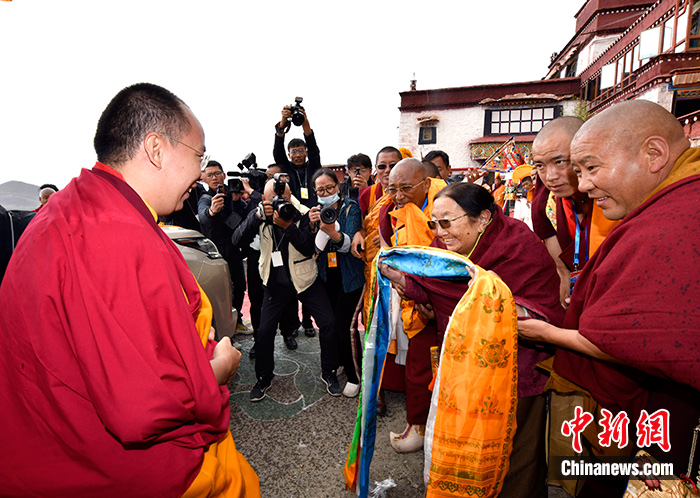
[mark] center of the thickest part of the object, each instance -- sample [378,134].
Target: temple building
[621,50]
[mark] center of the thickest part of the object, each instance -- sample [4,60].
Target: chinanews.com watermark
[608,468]
[651,430]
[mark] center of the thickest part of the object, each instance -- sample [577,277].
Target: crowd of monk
[112,383]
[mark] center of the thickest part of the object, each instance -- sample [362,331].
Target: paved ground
[297,437]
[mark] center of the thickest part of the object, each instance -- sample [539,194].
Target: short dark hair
[470,197]
[360,160]
[133,113]
[438,153]
[390,148]
[215,163]
[431,168]
[296,142]
[324,172]
[48,185]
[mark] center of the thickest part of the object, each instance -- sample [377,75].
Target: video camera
[247,168]
[284,208]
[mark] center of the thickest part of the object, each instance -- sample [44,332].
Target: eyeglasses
[382,167]
[214,173]
[296,152]
[203,157]
[403,188]
[445,223]
[322,191]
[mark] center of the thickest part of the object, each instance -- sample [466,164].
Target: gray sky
[237,63]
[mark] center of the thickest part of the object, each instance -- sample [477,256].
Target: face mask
[329,200]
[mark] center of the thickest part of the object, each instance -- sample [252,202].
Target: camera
[284,208]
[220,189]
[296,108]
[248,168]
[328,215]
[235,184]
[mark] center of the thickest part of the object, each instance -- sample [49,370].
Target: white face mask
[329,200]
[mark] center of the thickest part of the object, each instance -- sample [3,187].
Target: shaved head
[624,153]
[567,125]
[628,124]
[551,157]
[409,166]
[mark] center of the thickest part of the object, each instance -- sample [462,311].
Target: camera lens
[328,215]
[286,211]
[297,118]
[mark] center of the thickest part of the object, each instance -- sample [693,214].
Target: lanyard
[577,240]
[274,241]
[296,172]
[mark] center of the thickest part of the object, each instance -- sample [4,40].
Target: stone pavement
[297,437]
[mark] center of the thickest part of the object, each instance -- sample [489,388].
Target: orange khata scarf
[469,436]
[472,415]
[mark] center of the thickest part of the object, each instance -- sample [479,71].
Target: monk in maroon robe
[109,383]
[631,337]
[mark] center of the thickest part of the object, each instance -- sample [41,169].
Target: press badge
[304,193]
[277,259]
[332,260]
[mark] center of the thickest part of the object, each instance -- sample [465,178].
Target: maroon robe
[511,250]
[541,224]
[105,387]
[364,200]
[638,301]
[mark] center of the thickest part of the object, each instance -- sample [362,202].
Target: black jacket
[299,176]
[220,227]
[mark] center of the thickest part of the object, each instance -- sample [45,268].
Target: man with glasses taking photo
[304,160]
[220,212]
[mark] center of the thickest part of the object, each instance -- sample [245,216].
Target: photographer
[301,165]
[290,321]
[358,173]
[304,157]
[288,272]
[220,212]
[342,274]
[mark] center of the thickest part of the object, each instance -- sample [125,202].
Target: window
[519,121]
[607,76]
[649,42]
[635,58]
[681,30]
[694,32]
[668,41]
[618,77]
[427,135]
